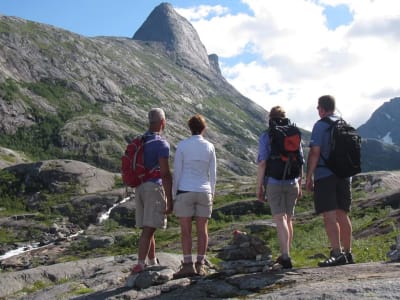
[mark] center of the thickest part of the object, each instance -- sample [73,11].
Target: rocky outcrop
[60,176]
[108,278]
[10,157]
[178,36]
[383,123]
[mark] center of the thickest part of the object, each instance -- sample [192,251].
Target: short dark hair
[277,112]
[327,102]
[197,123]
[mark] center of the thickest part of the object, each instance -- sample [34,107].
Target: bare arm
[312,162]
[300,194]
[166,178]
[260,192]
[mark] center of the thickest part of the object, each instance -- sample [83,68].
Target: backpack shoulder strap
[328,120]
[331,124]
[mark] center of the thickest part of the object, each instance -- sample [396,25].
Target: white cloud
[299,58]
[202,11]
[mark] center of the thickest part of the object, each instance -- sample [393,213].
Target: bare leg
[152,249]
[186,236]
[289,222]
[332,229]
[345,229]
[202,236]
[283,233]
[145,242]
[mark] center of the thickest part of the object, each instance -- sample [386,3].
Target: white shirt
[195,167]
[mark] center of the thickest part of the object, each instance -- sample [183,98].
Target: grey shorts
[197,204]
[331,193]
[151,204]
[282,198]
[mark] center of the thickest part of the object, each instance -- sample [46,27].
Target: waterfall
[30,247]
[33,246]
[106,215]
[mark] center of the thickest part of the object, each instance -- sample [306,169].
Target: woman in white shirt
[193,189]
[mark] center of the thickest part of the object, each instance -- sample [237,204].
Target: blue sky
[276,52]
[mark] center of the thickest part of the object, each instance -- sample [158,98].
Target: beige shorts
[282,198]
[189,204]
[151,204]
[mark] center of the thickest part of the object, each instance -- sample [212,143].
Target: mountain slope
[383,123]
[63,95]
[381,138]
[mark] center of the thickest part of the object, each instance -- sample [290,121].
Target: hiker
[332,194]
[193,190]
[154,196]
[279,189]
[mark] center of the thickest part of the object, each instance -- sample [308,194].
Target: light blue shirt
[195,168]
[320,136]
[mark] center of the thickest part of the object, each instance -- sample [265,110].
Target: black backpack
[345,149]
[285,159]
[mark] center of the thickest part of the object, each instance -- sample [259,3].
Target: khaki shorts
[282,198]
[197,204]
[150,206]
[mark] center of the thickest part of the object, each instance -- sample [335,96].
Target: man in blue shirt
[332,195]
[153,197]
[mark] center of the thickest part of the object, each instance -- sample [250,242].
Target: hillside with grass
[68,106]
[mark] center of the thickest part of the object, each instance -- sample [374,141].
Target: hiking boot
[186,270]
[281,263]
[334,261]
[200,269]
[350,258]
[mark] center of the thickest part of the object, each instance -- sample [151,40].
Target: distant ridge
[383,123]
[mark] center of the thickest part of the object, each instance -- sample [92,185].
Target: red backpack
[133,170]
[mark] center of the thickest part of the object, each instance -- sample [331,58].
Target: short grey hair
[156,115]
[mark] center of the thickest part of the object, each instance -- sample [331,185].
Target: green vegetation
[10,188]
[374,230]
[37,286]
[8,90]
[82,290]
[42,140]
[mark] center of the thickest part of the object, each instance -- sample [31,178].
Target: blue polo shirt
[320,136]
[155,150]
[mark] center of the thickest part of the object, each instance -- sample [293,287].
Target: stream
[29,247]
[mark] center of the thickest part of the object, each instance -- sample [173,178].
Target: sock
[153,261]
[285,256]
[336,252]
[187,259]
[141,262]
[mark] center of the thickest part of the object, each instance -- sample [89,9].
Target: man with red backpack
[154,196]
[280,169]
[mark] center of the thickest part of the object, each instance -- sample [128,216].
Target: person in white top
[193,190]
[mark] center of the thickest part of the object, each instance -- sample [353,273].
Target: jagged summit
[166,26]
[383,123]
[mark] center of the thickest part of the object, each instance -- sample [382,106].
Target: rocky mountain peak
[383,123]
[164,25]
